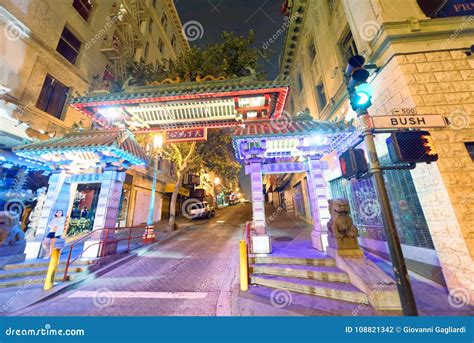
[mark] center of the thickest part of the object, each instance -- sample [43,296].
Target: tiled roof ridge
[190,86]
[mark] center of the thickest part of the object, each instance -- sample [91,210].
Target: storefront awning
[169,188]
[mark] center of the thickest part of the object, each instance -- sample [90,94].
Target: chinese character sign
[186,135]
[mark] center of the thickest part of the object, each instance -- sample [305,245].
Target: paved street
[193,274]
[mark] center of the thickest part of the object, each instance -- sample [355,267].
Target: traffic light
[360,92]
[353,163]
[411,147]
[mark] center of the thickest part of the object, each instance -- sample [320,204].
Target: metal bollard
[244,272]
[52,267]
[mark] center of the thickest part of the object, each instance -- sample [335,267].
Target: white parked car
[202,210]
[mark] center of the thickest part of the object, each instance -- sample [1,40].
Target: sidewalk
[15,298]
[291,237]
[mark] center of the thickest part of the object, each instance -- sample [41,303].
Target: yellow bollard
[244,271]
[52,267]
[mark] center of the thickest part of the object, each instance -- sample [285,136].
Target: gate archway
[265,139]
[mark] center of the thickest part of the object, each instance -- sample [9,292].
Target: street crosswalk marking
[147,295]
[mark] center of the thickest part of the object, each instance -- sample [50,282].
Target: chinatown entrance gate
[267,140]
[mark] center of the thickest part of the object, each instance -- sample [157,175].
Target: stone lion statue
[340,224]
[10,230]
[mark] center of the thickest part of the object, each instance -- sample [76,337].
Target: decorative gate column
[258,199]
[318,203]
[106,215]
[55,199]
[260,241]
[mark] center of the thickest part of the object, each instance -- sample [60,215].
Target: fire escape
[126,37]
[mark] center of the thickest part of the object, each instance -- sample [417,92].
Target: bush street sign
[408,122]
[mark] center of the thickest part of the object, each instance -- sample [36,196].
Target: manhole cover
[283,239]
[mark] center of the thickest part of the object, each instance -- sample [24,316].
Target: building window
[446,8]
[164,21]
[150,26]
[147,47]
[69,46]
[470,149]
[332,5]
[300,83]
[161,45]
[312,52]
[348,47]
[83,7]
[173,42]
[321,96]
[52,97]
[154,3]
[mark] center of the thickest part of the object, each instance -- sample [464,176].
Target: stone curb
[55,291]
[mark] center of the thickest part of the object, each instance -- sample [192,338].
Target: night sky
[239,16]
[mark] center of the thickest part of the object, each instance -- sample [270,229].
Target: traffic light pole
[398,262]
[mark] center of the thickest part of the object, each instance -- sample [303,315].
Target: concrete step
[24,265]
[43,263]
[328,262]
[299,271]
[327,289]
[20,272]
[25,281]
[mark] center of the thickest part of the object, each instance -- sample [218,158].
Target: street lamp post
[217,181]
[149,235]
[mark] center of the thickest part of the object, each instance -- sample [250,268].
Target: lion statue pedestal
[342,234]
[344,247]
[12,239]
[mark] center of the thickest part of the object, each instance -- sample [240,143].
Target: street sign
[404,111]
[408,122]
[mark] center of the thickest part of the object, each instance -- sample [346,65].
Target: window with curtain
[52,97]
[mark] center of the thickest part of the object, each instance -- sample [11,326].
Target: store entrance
[84,208]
